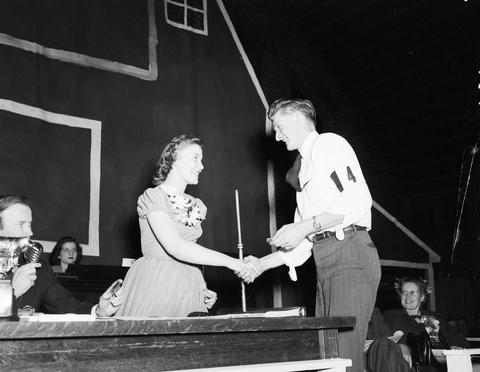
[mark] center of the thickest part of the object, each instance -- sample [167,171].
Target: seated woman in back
[66,252]
[412,319]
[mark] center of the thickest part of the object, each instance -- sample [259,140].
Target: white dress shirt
[331,180]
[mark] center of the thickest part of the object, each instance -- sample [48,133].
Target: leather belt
[328,234]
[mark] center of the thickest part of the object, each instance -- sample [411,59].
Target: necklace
[170,190]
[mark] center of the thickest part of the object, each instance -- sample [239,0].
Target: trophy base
[6,298]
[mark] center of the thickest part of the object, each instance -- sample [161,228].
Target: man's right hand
[24,278]
[255,263]
[244,271]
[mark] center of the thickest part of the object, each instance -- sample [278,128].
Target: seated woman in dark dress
[414,320]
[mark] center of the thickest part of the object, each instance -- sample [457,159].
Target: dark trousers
[348,274]
[386,356]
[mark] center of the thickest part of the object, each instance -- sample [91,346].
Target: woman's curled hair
[169,155]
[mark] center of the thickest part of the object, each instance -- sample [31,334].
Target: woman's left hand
[109,302]
[209,297]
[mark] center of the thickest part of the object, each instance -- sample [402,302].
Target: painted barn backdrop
[91,91]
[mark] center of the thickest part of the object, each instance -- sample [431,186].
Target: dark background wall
[398,79]
[202,88]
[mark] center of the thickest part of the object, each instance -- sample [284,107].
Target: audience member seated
[462,326]
[468,328]
[411,319]
[475,330]
[66,252]
[452,324]
[35,284]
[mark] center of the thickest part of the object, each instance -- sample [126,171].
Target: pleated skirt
[160,287]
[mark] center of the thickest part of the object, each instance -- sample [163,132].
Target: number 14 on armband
[336,179]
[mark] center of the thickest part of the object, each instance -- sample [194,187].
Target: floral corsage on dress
[186,210]
[432,326]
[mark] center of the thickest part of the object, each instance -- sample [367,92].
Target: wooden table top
[10,329]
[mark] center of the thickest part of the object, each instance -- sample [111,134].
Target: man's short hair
[6,201]
[288,106]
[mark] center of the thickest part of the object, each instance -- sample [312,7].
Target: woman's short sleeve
[153,199]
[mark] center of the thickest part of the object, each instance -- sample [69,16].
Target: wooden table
[165,345]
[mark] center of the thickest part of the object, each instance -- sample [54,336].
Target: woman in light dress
[166,281]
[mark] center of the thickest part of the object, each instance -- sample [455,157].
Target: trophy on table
[10,250]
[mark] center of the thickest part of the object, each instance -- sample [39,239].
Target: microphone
[33,252]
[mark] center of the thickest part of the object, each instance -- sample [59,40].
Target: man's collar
[308,143]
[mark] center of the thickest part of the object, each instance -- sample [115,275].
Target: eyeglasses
[410,293]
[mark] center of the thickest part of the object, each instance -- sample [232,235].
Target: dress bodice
[185,211]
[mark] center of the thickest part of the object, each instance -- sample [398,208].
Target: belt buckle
[320,236]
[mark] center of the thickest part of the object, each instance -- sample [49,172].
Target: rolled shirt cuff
[296,257]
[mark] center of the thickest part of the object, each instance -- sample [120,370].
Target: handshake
[249,269]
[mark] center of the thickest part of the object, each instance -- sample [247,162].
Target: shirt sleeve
[347,187]
[354,203]
[296,257]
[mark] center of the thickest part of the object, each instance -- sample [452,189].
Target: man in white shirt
[331,220]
